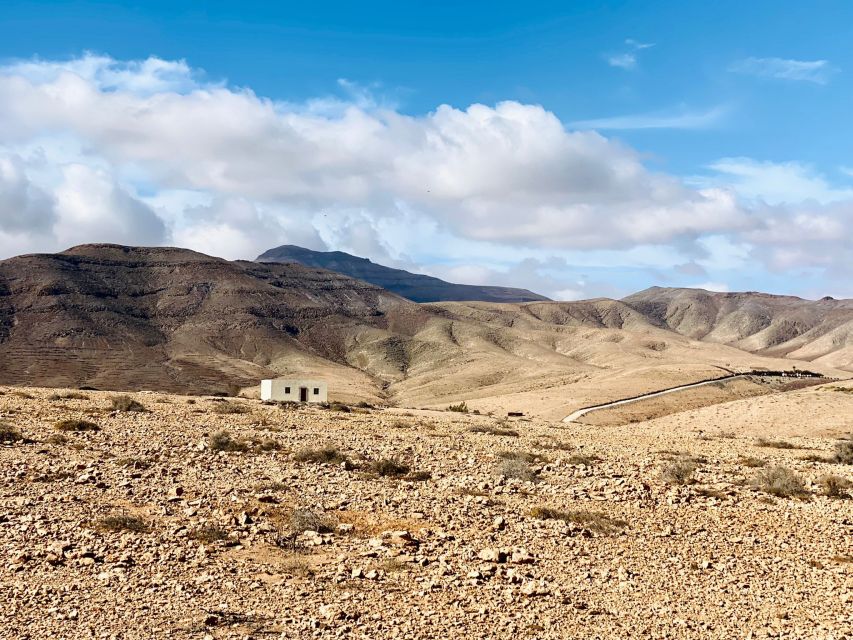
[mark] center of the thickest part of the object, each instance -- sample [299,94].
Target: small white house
[294,390]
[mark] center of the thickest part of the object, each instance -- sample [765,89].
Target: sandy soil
[215,544]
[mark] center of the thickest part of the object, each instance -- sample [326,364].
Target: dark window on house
[316,391]
[287,389]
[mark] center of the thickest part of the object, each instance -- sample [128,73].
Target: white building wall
[294,390]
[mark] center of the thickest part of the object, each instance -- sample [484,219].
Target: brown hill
[115,317]
[818,331]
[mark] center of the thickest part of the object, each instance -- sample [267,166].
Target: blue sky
[701,143]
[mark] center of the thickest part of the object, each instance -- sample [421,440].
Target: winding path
[654,394]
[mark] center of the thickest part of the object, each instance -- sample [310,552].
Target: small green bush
[462,407]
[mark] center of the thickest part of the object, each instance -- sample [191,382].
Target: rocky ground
[212,518]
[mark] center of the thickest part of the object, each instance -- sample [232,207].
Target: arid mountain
[781,326]
[413,286]
[114,318]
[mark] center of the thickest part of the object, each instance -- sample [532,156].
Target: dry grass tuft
[122,522]
[586,459]
[591,520]
[835,486]
[780,482]
[73,424]
[387,468]
[517,469]
[222,441]
[325,455]
[494,431]
[843,452]
[209,534]
[9,434]
[229,409]
[776,444]
[126,404]
[681,471]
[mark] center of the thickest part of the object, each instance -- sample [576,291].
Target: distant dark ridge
[413,286]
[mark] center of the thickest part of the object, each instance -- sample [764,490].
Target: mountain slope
[413,286]
[781,326]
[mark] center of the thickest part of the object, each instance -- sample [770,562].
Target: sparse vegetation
[517,469]
[679,471]
[326,455]
[835,486]
[122,522]
[229,408]
[844,452]
[301,520]
[591,520]
[126,404]
[494,430]
[222,441]
[268,444]
[754,463]
[57,438]
[524,456]
[208,534]
[9,434]
[22,394]
[388,467]
[462,407]
[69,395]
[418,476]
[586,459]
[77,425]
[776,444]
[780,482]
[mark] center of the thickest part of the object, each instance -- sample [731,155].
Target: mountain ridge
[412,286]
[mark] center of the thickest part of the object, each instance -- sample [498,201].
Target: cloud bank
[149,152]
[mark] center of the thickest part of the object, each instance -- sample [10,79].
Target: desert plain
[158,515]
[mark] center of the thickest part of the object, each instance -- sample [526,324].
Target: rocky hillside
[122,317]
[415,287]
[786,326]
[114,318]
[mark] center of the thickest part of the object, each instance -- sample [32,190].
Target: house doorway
[303,394]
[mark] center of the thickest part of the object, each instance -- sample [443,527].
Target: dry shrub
[57,438]
[228,409]
[843,452]
[70,395]
[517,469]
[22,394]
[9,434]
[301,520]
[325,455]
[209,534]
[462,407]
[780,482]
[126,404]
[418,476]
[222,441]
[775,444]
[524,456]
[591,520]
[494,431]
[122,522]
[586,459]
[387,467]
[268,444]
[835,486]
[680,471]
[74,424]
[754,463]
